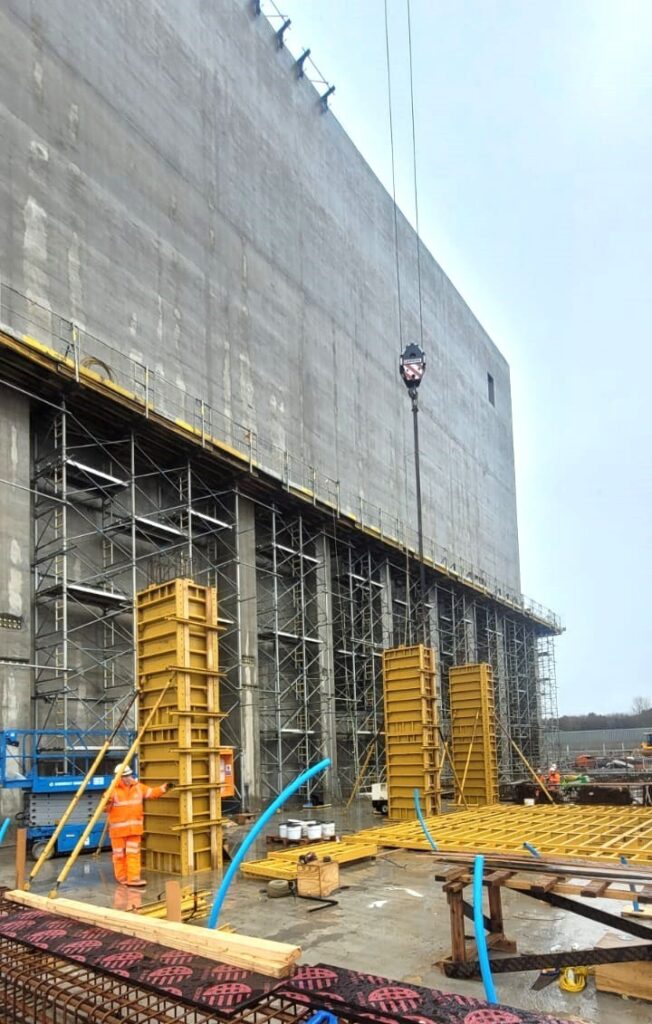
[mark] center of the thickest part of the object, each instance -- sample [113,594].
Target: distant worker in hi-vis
[126,816]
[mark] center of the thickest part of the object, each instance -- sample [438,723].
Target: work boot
[136,883]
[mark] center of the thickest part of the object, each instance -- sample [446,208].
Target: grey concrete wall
[15,576]
[168,183]
[602,740]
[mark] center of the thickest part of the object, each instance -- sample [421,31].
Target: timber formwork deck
[283,864]
[597,833]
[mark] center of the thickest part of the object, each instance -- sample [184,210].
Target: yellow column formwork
[412,751]
[473,732]
[177,633]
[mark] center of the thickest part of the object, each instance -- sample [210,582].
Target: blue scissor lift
[49,765]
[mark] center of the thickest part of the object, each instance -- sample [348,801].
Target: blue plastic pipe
[3,829]
[417,807]
[480,937]
[256,828]
[532,849]
[632,888]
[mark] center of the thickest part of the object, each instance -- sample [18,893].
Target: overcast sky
[534,139]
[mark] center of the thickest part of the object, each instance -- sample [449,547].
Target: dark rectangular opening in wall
[491,389]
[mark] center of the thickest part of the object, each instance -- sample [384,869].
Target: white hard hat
[126,770]
[553,767]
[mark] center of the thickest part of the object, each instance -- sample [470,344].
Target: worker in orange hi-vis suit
[126,815]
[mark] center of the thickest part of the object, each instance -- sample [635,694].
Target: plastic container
[305,825]
[528,802]
[328,830]
[314,830]
[293,831]
[283,830]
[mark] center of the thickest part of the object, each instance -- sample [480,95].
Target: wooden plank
[544,883]
[595,888]
[629,911]
[629,979]
[21,856]
[274,959]
[173,900]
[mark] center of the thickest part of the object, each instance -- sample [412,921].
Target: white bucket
[283,830]
[294,831]
[328,830]
[314,830]
[305,825]
[528,802]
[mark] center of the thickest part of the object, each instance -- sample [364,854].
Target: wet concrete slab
[391,919]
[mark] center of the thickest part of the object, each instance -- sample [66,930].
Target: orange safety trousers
[126,858]
[126,814]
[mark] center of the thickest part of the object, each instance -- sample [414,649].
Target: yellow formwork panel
[473,732]
[411,735]
[284,863]
[562,830]
[177,636]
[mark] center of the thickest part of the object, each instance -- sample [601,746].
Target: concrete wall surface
[15,572]
[599,740]
[168,183]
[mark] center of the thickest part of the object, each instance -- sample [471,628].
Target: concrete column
[470,631]
[501,696]
[15,572]
[433,626]
[331,784]
[248,654]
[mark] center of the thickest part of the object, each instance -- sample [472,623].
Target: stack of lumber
[564,866]
[273,959]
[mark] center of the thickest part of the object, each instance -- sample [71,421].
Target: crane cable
[414,169]
[391,142]
[416,216]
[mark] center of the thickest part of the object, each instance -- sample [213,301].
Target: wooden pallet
[566,830]
[283,864]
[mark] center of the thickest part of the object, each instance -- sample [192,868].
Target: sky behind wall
[534,160]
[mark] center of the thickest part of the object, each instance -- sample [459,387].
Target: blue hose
[256,828]
[417,807]
[480,937]
[636,906]
[3,829]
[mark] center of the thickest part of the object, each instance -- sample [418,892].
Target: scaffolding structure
[119,505]
[112,515]
[362,629]
[290,617]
